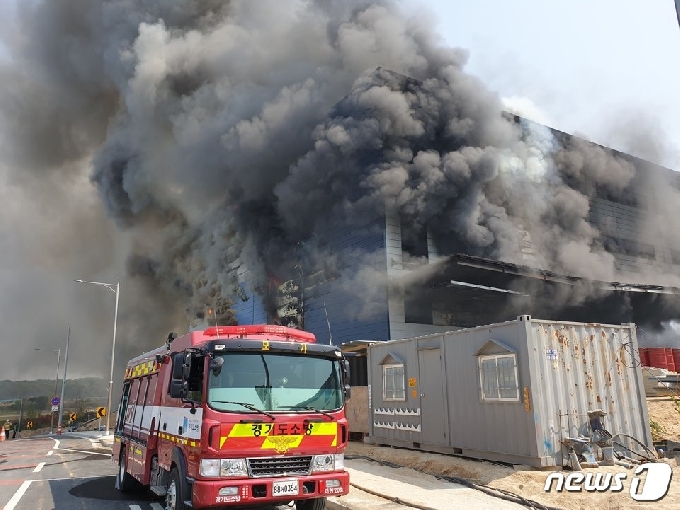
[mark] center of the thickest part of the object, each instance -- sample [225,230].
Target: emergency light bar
[259,330]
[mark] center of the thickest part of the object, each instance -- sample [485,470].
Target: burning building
[586,243]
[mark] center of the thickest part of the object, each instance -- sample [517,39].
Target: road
[65,473]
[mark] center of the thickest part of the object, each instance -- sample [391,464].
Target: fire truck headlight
[209,467]
[329,462]
[234,467]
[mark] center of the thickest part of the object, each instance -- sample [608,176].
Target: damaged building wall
[346,297]
[628,230]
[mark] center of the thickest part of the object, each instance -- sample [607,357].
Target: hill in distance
[83,388]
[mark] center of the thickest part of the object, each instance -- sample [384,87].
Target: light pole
[63,381]
[116,290]
[56,382]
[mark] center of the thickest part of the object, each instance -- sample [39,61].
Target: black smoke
[225,137]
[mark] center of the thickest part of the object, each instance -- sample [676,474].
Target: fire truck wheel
[311,504]
[174,499]
[125,482]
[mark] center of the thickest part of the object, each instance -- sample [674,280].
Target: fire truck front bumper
[257,491]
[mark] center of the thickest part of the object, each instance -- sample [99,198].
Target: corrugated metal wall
[578,368]
[251,311]
[347,312]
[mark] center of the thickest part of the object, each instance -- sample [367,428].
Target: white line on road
[157,506]
[69,478]
[50,453]
[56,444]
[85,451]
[135,507]
[17,495]
[38,467]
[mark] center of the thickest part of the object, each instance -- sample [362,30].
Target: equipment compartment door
[433,408]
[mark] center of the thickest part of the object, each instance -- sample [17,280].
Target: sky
[588,67]
[598,69]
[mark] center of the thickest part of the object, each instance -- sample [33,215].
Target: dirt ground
[662,410]
[530,483]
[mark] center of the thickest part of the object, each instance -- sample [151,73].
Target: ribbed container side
[676,358]
[577,368]
[657,357]
[670,362]
[644,356]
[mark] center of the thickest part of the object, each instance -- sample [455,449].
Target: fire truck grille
[279,466]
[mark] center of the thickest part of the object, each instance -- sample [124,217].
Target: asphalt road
[64,473]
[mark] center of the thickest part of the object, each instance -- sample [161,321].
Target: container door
[433,417]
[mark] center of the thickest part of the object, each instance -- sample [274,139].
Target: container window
[394,387]
[498,377]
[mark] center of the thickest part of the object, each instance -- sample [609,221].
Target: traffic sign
[55,401]
[73,416]
[29,424]
[55,408]
[101,412]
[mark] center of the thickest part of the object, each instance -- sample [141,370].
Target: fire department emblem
[282,443]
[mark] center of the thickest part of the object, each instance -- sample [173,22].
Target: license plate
[287,488]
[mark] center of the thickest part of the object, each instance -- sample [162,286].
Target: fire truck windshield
[276,382]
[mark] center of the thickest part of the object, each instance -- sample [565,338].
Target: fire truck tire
[125,481]
[174,497]
[311,504]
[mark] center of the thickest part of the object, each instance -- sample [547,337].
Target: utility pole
[63,381]
[21,412]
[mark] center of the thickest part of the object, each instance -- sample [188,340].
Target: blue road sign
[55,401]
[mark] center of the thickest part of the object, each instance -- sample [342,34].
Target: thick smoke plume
[225,136]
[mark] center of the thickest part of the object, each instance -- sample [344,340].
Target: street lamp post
[56,382]
[116,290]
[63,381]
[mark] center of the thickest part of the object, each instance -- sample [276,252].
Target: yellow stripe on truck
[266,429]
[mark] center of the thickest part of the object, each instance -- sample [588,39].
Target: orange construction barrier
[2,434]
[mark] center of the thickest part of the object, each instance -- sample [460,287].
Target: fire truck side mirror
[345,378]
[178,363]
[348,391]
[178,388]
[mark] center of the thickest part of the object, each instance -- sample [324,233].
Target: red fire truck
[235,416]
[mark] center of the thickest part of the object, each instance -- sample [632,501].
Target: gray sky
[588,66]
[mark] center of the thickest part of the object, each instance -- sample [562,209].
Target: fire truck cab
[235,416]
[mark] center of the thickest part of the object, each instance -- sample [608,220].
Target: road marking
[85,451]
[56,444]
[135,507]
[38,467]
[157,506]
[50,453]
[17,495]
[69,478]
